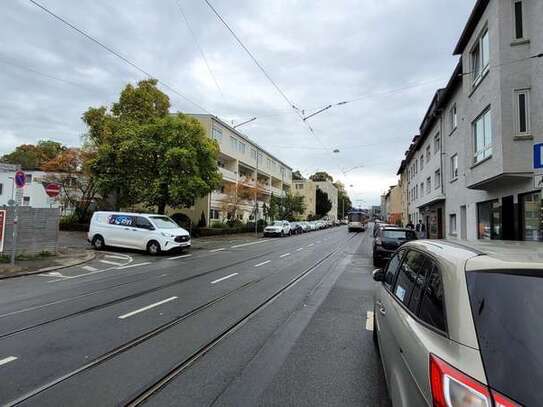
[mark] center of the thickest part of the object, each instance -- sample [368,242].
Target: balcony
[228,175]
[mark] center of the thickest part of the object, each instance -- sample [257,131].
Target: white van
[153,233]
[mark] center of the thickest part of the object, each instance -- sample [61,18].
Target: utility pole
[256,195]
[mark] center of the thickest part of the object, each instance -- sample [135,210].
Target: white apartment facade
[241,162]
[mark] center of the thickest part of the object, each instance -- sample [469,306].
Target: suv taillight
[452,388]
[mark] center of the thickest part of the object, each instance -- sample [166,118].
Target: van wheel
[98,242]
[153,248]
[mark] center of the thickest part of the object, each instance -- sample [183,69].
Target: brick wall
[37,231]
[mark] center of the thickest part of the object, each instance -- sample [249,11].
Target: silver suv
[462,325]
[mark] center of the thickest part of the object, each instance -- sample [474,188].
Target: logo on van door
[121,220]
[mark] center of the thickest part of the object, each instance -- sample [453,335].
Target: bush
[71,223]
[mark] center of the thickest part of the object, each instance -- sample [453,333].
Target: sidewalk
[65,257]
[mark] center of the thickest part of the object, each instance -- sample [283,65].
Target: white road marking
[311,244]
[179,257]
[218,250]
[89,268]
[113,263]
[249,244]
[134,265]
[299,249]
[284,255]
[148,307]
[261,264]
[5,361]
[224,278]
[369,321]
[115,256]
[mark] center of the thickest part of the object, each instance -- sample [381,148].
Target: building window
[268,163]
[233,143]
[480,57]
[416,167]
[519,20]
[522,111]
[452,223]
[214,214]
[437,143]
[428,153]
[253,153]
[532,216]
[482,137]
[416,191]
[28,179]
[26,201]
[428,185]
[1,188]
[241,147]
[454,167]
[299,186]
[260,158]
[216,134]
[489,220]
[422,162]
[437,179]
[453,118]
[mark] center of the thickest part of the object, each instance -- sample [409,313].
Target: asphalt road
[265,322]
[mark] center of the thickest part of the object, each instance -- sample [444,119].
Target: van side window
[143,223]
[392,269]
[432,308]
[418,287]
[121,220]
[407,276]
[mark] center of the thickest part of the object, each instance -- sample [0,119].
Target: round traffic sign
[52,189]
[20,179]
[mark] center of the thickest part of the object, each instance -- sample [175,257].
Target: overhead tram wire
[117,54]
[198,46]
[266,74]
[25,68]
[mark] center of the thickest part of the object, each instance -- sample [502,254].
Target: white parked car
[153,233]
[278,228]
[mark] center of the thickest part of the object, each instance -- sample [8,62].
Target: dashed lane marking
[179,257]
[134,265]
[249,244]
[89,268]
[369,321]
[261,264]
[5,361]
[284,255]
[224,278]
[311,244]
[148,307]
[300,249]
[218,250]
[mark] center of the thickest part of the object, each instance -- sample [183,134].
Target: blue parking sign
[538,156]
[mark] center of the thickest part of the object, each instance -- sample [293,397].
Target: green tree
[32,157]
[297,175]
[145,155]
[320,176]
[344,202]
[322,203]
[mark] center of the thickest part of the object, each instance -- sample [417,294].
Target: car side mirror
[378,275]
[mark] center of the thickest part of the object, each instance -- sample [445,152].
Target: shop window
[489,220]
[532,216]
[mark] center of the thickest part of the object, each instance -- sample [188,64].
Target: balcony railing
[228,175]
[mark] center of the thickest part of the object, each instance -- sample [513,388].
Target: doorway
[463,223]
[508,218]
[440,223]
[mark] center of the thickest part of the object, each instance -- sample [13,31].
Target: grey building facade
[489,116]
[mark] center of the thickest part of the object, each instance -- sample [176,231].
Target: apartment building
[307,189]
[243,163]
[480,184]
[332,192]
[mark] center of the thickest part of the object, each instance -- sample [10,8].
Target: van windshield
[164,222]
[506,308]
[278,223]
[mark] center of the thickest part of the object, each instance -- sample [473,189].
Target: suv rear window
[507,311]
[398,234]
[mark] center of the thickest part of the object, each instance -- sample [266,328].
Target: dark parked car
[387,240]
[296,228]
[381,225]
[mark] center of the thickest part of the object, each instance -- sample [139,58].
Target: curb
[90,256]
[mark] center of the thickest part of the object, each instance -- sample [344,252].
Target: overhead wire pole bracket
[317,112]
[245,122]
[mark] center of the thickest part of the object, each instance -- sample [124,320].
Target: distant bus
[357,221]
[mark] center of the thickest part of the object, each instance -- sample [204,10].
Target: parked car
[387,241]
[460,325]
[142,231]
[296,228]
[381,225]
[278,228]
[306,226]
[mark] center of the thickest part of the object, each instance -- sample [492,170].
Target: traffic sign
[52,189]
[538,156]
[20,179]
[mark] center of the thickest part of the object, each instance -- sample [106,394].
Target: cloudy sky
[389,55]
